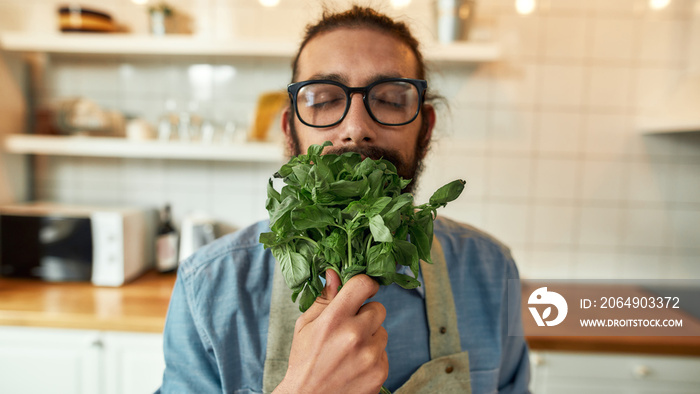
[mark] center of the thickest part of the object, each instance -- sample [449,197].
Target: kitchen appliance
[55,242]
[197,230]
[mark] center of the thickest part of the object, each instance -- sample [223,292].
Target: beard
[406,170]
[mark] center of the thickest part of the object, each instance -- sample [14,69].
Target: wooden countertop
[140,305]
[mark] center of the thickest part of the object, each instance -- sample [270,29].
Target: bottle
[166,243]
[168,122]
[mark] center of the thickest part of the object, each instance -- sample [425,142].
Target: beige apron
[446,372]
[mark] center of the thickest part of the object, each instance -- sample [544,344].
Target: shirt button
[443,330]
[449,369]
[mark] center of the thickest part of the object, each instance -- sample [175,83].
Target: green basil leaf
[376,180]
[380,261]
[296,291]
[272,195]
[405,253]
[365,168]
[404,201]
[301,172]
[447,193]
[315,150]
[307,298]
[268,239]
[294,267]
[349,188]
[405,281]
[322,175]
[420,239]
[378,206]
[312,216]
[285,207]
[379,231]
[351,271]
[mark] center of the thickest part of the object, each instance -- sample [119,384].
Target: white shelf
[183,45]
[129,44]
[678,112]
[122,147]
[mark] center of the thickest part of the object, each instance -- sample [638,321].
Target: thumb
[328,294]
[332,284]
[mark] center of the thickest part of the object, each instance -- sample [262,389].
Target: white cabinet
[43,360]
[578,373]
[49,361]
[133,362]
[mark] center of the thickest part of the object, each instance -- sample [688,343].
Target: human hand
[339,345]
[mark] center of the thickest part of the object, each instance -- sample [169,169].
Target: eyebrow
[344,80]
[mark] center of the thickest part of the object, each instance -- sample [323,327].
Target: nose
[357,128]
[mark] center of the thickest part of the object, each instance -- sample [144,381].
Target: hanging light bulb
[658,4]
[269,3]
[525,7]
[139,2]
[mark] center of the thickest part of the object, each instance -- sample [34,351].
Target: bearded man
[231,327]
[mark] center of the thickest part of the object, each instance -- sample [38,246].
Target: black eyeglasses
[390,102]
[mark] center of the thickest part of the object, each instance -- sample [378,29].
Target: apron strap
[440,305]
[283,317]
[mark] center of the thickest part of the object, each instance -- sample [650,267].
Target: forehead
[356,56]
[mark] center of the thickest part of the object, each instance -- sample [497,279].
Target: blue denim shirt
[216,329]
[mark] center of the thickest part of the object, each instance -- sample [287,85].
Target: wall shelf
[183,45]
[124,148]
[648,126]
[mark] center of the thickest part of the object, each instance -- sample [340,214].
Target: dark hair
[361,17]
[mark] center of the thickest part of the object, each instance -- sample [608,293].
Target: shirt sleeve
[515,364]
[189,362]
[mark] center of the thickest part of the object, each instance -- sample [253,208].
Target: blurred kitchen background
[548,135]
[575,123]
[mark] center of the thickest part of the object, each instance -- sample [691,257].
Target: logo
[543,297]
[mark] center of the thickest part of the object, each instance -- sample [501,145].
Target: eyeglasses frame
[420,84]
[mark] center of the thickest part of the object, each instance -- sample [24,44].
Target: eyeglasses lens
[321,104]
[393,102]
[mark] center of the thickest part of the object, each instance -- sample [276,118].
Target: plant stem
[347,263]
[308,239]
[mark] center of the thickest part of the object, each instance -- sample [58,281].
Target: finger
[381,337]
[353,294]
[370,317]
[328,294]
[332,284]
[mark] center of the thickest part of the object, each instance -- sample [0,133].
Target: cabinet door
[36,360]
[133,362]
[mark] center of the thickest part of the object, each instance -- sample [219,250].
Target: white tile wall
[545,137]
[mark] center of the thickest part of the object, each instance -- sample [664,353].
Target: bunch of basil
[347,214]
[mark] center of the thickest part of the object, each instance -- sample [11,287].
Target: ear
[285,119]
[429,115]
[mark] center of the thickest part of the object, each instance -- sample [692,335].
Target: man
[232,328]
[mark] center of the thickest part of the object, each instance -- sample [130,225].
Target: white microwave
[57,242]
